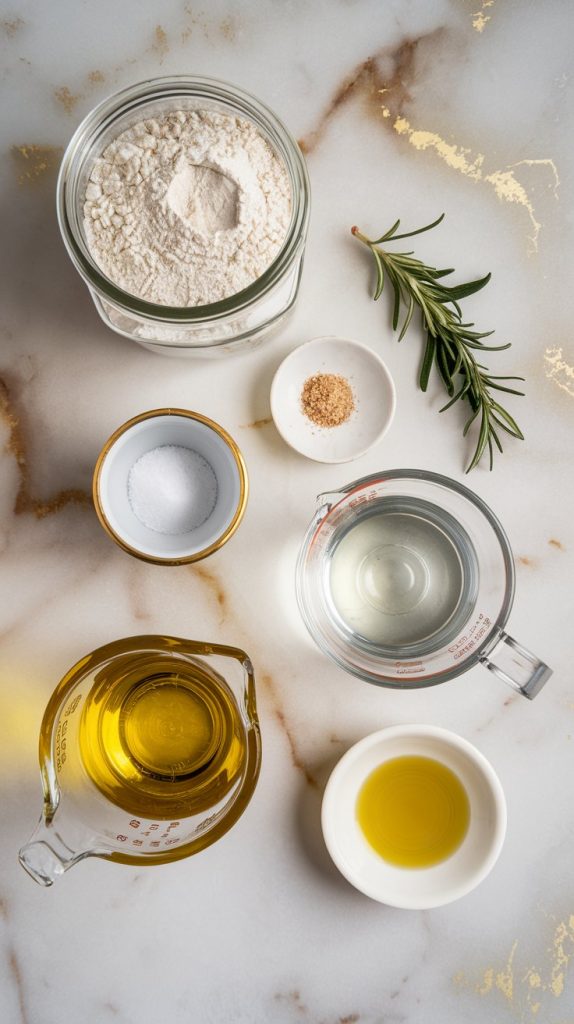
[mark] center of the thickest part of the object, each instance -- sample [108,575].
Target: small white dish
[373,392]
[414,888]
[152,430]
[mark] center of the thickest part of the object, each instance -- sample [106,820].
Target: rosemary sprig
[450,343]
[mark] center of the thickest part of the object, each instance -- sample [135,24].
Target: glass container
[220,327]
[105,795]
[396,579]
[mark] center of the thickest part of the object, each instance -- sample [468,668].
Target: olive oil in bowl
[413,816]
[413,811]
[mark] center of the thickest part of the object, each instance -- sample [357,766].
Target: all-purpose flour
[188,208]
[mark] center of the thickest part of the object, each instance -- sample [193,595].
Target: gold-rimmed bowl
[155,429]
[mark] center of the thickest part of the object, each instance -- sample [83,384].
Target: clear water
[403,575]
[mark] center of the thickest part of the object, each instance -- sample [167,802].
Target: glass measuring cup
[149,751]
[438,583]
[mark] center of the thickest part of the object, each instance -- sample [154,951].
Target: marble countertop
[404,109]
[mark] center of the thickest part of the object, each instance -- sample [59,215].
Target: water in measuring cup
[403,574]
[162,739]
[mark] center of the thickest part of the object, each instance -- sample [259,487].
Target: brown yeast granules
[327,399]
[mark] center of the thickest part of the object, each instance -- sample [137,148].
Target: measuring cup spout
[326,501]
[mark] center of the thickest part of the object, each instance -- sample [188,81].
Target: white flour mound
[187,209]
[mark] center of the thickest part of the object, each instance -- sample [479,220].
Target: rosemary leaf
[380,275]
[427,362]
[408,318]
[508,418]
[459,394]
[482,439]
[470,421]
[499,387]
[419,231]
[462,290]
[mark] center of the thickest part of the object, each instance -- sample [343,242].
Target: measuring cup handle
[47,855]
[517,666]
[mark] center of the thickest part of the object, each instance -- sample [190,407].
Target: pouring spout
[46,856]
[327,499]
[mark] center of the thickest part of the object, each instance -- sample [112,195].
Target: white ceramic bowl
[144,433]
[373,391]
[414,888]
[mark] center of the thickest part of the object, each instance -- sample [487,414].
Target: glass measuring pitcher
[406,579]
[149,751]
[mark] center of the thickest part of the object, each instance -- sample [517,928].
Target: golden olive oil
[162,737]
[414,811]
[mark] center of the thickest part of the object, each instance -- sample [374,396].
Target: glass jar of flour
[184,205]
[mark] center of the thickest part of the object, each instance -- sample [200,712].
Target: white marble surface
[261,928]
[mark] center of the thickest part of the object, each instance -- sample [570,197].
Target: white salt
[172,489]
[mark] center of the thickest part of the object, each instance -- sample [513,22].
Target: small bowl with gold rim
[170,486]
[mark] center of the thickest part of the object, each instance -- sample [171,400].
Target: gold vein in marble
[216,587]
[480,19]
[16,974]
[11,26]
[296,758]
[160,44]
[34,162]
[257,424]
[505,183]
[16,445]
[66,99]
[526,991]
[558,370]
[561,953]
[228,28]
[543,162]
[504,979]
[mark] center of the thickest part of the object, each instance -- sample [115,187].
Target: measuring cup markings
[413,668]
[468,641]
[60,739]
[172,835]
[59,748]
[361,499]
[71,707]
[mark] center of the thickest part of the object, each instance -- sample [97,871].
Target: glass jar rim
[139,94]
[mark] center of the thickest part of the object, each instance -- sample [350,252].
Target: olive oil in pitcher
[149,751]
[163,738]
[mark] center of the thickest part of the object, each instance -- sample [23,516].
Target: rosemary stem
[362,238]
